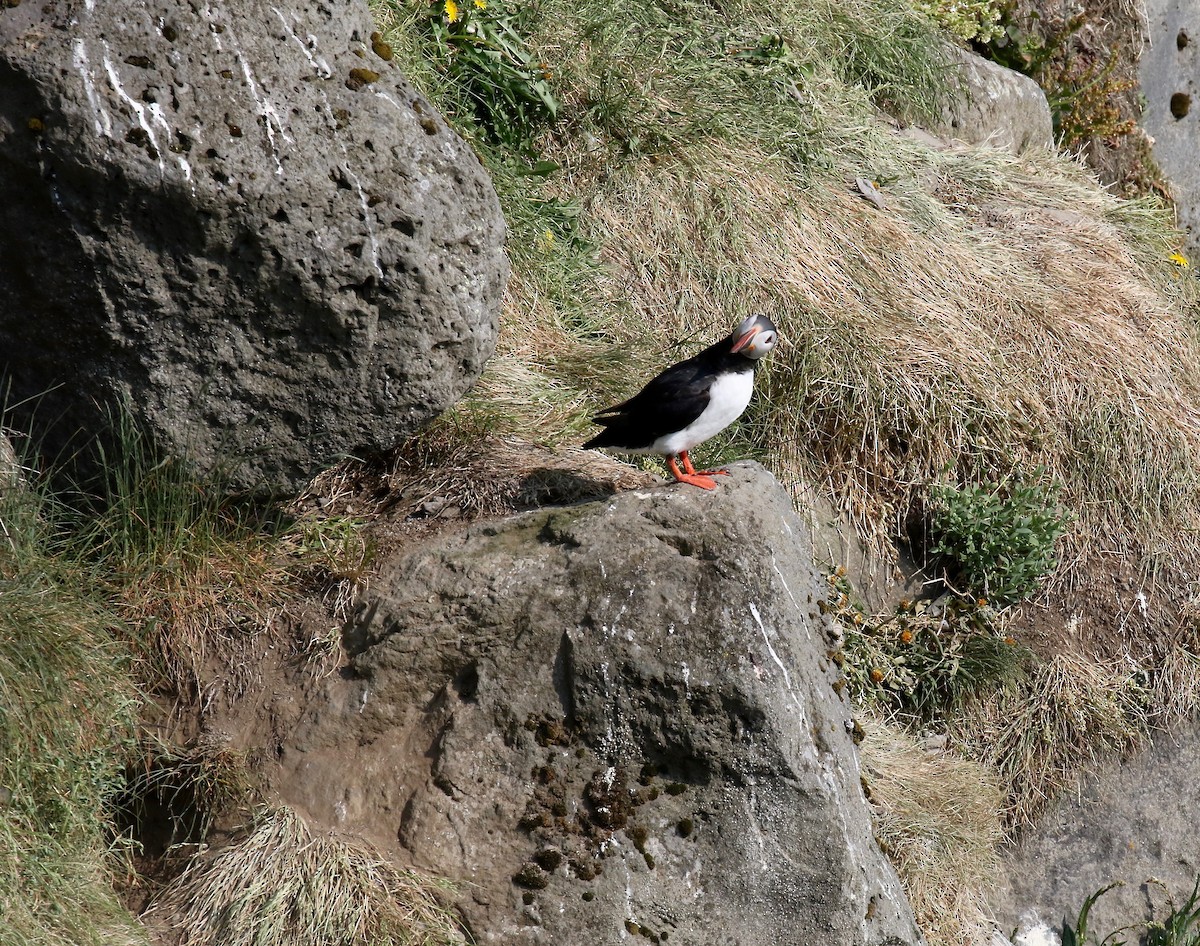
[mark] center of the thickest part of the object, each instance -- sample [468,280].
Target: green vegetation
[968,20]
[1079,934]
[928,657]
[480,46]
[67,707]
[1180,927]
[996,539]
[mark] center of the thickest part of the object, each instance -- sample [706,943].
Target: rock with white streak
[241,221]
[611,722]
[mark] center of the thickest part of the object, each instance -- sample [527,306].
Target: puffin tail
[609,436]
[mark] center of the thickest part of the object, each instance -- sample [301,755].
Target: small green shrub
[969,20]
[481,46]
[998,540]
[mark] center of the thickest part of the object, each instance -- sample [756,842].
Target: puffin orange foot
[692,471]
[692,478]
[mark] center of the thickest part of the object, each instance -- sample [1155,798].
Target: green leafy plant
[997,539]
[1181,927]
[481,45]
[1079,934]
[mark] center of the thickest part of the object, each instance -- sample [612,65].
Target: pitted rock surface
[1169,72]
[241,220]
[611,722]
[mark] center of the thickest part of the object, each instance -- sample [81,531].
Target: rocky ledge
[609,720]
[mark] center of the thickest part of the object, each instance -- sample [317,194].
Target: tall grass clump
[195,572]
[284,885]
[936,819]
[67,711]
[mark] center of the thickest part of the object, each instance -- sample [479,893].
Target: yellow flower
[876,675]
[547,240]
[1179,260]
[452,11]
[906,637]
[480,4]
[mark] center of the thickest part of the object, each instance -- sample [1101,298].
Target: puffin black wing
[669,402]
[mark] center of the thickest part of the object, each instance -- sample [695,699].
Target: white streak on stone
[787,679]
[783,581]
[156,113]
[271,121]
[79,60]
[266,110]
[318,63]
[322,70]
[114,80]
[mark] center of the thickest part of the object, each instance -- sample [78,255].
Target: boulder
[992,105]
[606,721]
[240,221]
[1132,822]
[1168,72]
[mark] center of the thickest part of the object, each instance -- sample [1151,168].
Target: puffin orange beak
[745,340]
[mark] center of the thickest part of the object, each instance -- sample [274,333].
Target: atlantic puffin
[690,402]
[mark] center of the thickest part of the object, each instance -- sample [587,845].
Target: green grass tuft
[67,708]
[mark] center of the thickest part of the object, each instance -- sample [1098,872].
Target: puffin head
[755,337]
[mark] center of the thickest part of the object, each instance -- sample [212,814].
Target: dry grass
[1040,737]
[446,474]
[972,330]
[935,815]
[285,886]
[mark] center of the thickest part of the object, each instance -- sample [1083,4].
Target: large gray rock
[1130,822]
[993,106]
[1169,73]
[610,719]
[239,218]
